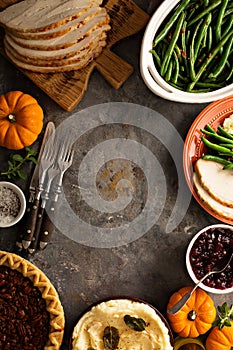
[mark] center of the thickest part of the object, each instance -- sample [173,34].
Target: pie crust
[48,292]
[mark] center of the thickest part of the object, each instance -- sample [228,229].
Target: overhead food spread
[101,244]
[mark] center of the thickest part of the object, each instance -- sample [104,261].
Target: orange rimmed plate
[214,115]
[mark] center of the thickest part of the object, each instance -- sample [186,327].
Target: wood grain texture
[68,88]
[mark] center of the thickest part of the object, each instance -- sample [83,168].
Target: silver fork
[64,161]
[46,162]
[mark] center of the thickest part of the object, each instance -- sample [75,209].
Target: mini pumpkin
[195,317]
[220,339]
[21,120]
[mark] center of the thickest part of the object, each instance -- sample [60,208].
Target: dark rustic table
[151,265]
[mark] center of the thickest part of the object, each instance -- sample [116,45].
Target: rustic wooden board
[68,88]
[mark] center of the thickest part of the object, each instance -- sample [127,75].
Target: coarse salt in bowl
[12,204]
[209,246]
[150,74]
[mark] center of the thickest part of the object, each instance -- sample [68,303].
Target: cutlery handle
[30,224]
[33,246]
[47,224]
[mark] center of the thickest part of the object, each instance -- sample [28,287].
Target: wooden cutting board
[68,88]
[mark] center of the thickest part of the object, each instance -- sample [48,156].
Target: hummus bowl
[129,323]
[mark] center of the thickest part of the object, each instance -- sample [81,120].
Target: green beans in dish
[193,47]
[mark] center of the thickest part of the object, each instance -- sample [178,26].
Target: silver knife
[33,203]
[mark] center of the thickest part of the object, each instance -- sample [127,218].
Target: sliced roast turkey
[216,181]
[210,202]
[34,15]
[61,29]
[88,29]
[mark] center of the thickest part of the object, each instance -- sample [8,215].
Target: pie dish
[214,115]
[30,301]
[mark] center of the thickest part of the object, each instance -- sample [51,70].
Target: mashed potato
[89,331]
[228,124]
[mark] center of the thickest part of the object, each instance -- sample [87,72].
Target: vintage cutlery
[37,184]
[64,161]
[217,269]
[30,222]
[51,173]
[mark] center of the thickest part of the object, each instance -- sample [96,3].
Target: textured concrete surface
[151,267]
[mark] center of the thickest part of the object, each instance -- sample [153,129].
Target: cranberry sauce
[209,249]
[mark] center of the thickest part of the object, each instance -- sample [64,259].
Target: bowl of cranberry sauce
[210,247]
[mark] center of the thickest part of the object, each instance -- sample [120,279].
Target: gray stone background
[152,267]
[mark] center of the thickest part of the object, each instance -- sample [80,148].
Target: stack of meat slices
[214,187]
[54,36]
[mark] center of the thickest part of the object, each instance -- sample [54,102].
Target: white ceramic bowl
[12,220]
[190,269]
[152,78]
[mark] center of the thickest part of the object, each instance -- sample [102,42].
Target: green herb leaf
[16,162]
[21,174]
[33,159]
[17,157]
[137,324]
[111,338]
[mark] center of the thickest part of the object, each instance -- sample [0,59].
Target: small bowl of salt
[12,204]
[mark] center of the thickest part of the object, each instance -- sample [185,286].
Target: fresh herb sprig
[224,317]
[16,162]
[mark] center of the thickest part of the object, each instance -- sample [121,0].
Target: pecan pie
[31,315]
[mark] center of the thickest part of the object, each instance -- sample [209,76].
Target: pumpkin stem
[11,118]
[192,315]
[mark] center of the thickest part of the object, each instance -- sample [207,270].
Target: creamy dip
[89,331]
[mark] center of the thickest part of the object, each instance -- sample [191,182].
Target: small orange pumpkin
[195,317]
[21,120]
[220,339]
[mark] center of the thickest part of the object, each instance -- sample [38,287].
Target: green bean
[211,57]
[219,19]
[216,159]
[217,137]
[172,44]
[217,148]
[202,33]
[176,68]
[173,18]
[230,74]
[206,3]
[169,71]
[210,84]
[227,145]
[183,45]
[156,56]
[210,38]
[228,166]
[228,26]
[223,59]
[192,54]
[225,133]
[204,12]
[208,128]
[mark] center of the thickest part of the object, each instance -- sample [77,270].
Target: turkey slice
[216,181]
[74,36]
[34,15]
[210,202]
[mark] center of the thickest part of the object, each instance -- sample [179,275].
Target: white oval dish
[152,78]
[189,267]
[20,195]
